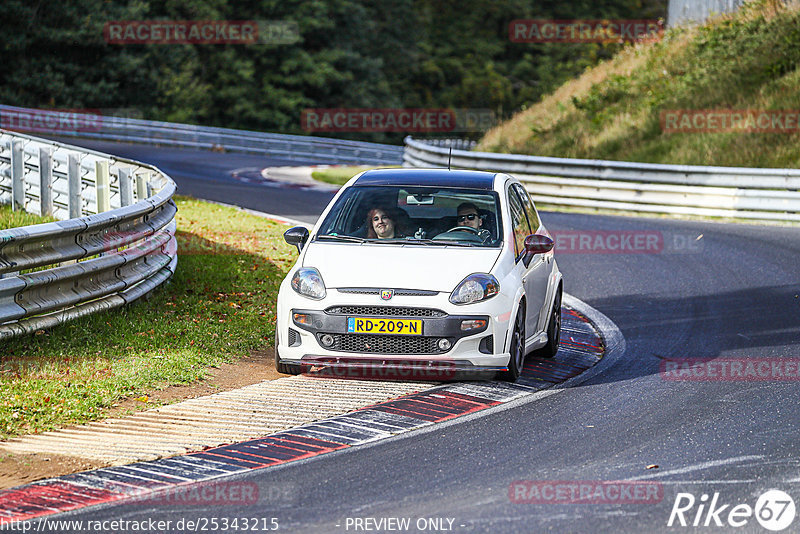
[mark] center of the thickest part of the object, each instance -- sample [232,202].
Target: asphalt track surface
[210,176]
[731,294]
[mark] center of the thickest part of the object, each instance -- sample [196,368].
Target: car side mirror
[296,236]
[536,244]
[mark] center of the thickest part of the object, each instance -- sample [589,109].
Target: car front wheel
[553,330]
[285,368]
[517,348]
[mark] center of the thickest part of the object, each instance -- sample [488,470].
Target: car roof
[428,177]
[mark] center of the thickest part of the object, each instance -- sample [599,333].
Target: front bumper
[469,351]
[440,331]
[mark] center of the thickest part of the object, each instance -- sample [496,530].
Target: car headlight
[475,288]
[308,282]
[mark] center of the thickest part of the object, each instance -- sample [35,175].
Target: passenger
[381,224]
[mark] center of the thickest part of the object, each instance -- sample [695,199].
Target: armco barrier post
[17,176]
[103,189]
[74,186]
[142,179]
[125,188]
[46,181]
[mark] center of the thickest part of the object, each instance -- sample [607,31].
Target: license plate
[364,325]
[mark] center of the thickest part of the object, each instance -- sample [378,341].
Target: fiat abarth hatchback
[419,270]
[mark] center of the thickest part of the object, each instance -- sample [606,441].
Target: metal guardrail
[455,144]
[291,147]
[748,193]
[681,12]
[115,241]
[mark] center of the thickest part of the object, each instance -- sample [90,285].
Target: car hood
[397,266]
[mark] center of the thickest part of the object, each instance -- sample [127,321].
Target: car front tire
[553,330]
[517,348]
[285,368]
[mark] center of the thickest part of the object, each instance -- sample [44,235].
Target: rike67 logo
[774,510]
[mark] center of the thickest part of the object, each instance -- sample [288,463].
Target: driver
[468,216]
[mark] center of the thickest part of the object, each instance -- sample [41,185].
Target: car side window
[533,218]
[519,221]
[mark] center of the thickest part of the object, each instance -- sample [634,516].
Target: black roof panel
[423,177]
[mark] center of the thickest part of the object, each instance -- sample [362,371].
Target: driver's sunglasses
[470,217]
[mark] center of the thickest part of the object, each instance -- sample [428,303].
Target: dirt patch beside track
[17,469]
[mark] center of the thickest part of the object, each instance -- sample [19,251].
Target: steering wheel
[465,229]
[460,233]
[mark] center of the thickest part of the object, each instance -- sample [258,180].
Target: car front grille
[397,292]
[372,344]
[385,311]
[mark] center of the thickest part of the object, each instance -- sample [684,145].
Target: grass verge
[15,219]
[340,175]
[219,306]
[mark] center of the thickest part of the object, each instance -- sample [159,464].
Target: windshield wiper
[396,240]
[454,243]
[348,238]
[431,242]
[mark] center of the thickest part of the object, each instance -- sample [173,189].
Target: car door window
[519,221]
[530,211]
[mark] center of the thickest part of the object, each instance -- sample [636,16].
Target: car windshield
[414,215]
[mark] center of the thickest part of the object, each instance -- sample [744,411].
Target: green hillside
[746,61]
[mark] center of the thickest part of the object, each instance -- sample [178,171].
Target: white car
[419,269]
